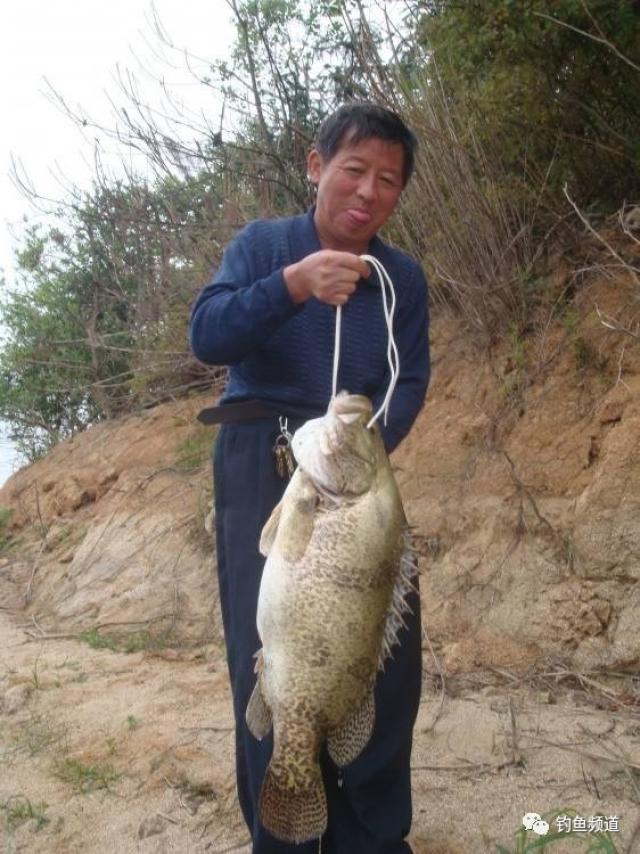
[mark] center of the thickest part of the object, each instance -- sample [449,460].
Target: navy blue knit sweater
[282,352]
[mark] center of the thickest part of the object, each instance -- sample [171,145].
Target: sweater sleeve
[238,310]
[412,339]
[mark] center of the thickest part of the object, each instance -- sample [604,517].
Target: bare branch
[633,273]
[616,326]
[600,39]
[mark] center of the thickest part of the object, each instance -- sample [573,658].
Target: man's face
[357,192]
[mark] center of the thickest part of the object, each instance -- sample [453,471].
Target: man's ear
[314,166]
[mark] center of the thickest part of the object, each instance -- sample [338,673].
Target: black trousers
[369,800]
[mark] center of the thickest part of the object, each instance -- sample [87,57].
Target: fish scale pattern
[325,597]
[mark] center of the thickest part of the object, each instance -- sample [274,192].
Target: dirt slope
[522,479]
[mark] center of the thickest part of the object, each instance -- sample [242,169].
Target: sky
[76,49]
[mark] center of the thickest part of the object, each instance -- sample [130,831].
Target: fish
[332,598]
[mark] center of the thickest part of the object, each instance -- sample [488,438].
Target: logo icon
[532,821]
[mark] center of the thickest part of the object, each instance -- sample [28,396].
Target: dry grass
[474,237]
[476,241]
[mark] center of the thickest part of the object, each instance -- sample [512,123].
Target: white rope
[336,352]
[393,357]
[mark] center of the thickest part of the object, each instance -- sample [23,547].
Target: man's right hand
[327,275]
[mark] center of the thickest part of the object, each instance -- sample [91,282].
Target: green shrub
[556,104]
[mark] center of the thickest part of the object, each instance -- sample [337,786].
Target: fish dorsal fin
[399,606]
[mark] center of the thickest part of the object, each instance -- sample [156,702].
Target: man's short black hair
[360,120]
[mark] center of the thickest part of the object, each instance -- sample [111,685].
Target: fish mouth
[335,451]
[350,407]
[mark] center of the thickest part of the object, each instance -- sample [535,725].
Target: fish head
[338,451]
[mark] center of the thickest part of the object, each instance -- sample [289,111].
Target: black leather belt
[251,410]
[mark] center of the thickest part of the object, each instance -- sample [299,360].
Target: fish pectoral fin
[291,813]
[299,528]
[297,518]
[270,529]
[347,741]
[292,518]
[258,715]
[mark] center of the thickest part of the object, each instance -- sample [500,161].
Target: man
[268,313]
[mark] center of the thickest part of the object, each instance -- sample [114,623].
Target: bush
[553,86]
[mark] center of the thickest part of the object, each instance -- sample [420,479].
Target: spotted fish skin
[335,556]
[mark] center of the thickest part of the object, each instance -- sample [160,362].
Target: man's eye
[390,182]
[354,170]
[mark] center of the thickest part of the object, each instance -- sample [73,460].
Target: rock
[151,826]
[108,479]
[166,654]
[611,412]
[620,651]
[202,782]
[210,521]
[145,561]
[606,536]
[16,697]
[631,219]
[487,649]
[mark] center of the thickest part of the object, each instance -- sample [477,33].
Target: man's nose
[367,187]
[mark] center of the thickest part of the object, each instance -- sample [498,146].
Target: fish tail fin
[293,814]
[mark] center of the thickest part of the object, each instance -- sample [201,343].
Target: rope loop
[393,357]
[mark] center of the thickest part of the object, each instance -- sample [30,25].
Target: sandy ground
[134,753]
